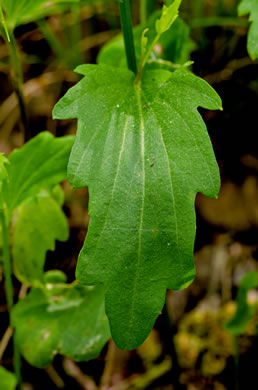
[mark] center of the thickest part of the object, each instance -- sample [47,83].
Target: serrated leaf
[174,45]
[41,163]
[38,224]
[69,321]
[251,7]
[244,311]
[144,153]
[168,16]
[7,379]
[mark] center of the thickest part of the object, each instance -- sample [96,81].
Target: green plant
[31,205]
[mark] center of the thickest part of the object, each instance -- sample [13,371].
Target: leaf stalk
[9,288]
[17,76]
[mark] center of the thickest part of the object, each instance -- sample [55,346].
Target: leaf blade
[142,181]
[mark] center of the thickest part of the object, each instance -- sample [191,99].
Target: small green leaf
[38,224]
[144,152]
[168,16]
[7,379]
[41,163]
[251,7]
[69,320]
[244,311]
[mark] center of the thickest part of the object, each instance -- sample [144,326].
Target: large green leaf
[244,311]
[38,223]
[251,7]
[175,44]
[69,320]
[7,379]
[144,152]
[41,163]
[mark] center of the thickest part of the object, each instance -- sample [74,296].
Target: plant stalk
[126,22]
[7,262]
[143,11]
[219,21]
[9,289]
[17,77]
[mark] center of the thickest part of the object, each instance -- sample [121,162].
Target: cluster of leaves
[66,318]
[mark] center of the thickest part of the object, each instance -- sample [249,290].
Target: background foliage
[207,330]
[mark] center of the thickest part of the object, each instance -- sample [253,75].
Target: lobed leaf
[38,224]
[70,320]
[244,311]
[144,152]
[7,379]
[41,163]
[251,7]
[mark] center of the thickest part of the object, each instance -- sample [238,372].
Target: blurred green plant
[60,318]
[251,7]
[8,379]
[245,308]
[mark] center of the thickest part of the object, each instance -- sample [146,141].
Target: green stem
[198,8]
[143,11]
[219,21]
[7,262]
[17,77]
[54,43]
[9,289]
[126,22]
[150,6]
